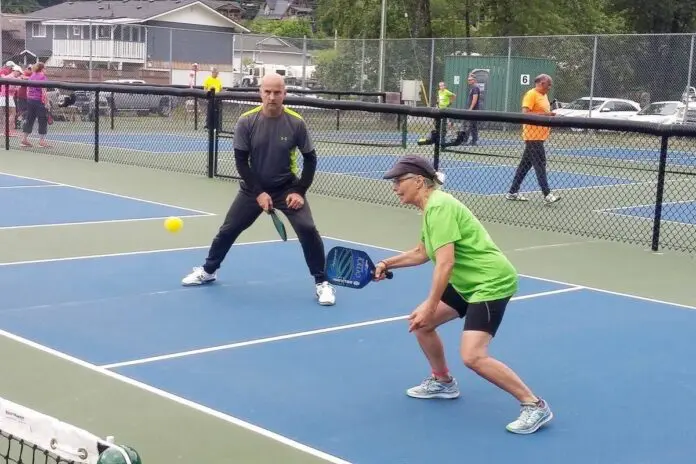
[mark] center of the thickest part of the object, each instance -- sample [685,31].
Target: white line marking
[627,216]
[108,221]
[451,187]
[109,193]
[651,205]
[103,146]
[601,290]
[553,245]
[300,334]
[141,252]
[198,407]
[31,186]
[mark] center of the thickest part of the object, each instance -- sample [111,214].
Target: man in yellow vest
[212,82]
[444,99]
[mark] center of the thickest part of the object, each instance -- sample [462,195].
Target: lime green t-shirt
[481,271]
[443,98]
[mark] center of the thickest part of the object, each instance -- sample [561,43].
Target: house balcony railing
[102,50]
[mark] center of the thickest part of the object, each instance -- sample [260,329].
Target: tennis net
[31,437]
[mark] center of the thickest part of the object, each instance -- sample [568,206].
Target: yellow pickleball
[173,224]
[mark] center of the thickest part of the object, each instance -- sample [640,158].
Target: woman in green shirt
[472,279]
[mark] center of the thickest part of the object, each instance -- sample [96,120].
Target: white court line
[299,334]
[106,221]
[105,146]
[652,205]
[141,252]
[31,186]
[326,237]
[644,218]
[553,245]
[110,193]
[177,399]
[543,279]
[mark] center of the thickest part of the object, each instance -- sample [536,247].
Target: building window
[103,32]
[77,31]
[38,30]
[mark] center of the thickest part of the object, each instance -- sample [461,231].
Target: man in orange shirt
[535,101]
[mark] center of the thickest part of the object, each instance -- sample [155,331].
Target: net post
[7,117]
[212,131]
[195,113]
[660,193]
[338,113]
[437,142]
[96,126]
[404,131]
[112,110]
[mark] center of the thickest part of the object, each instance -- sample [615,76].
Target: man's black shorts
[485,316]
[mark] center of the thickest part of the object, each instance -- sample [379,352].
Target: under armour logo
[284,139]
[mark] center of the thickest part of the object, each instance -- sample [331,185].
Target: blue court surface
[683,212]
[31,202]
[255,346]
[466,176]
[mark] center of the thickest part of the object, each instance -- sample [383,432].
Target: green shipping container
[492,75]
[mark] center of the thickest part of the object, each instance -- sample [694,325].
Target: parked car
[290,89]
[606,108]
[137,102]
[663,112]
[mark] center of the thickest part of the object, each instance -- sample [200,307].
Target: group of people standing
[27,105]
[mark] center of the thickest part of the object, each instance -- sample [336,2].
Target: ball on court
[173,224]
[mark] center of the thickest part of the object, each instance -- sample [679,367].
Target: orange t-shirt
[535,102]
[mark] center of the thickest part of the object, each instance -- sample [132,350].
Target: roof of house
[277,9]
[121,11]
[261,42]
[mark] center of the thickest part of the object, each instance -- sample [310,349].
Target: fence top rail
[294,90]
[476,115]
[665,130]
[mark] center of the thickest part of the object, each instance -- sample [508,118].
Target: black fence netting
[621,180]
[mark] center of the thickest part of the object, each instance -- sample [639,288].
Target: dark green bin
[492,74]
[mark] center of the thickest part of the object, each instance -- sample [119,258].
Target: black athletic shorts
[485,316]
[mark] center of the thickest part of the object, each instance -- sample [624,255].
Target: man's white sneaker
[198,277]
[515,197]
[551,198]
[325,294]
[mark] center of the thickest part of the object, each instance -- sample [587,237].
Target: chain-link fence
[621,180]
[640,69]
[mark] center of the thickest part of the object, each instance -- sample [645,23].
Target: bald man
[266,140]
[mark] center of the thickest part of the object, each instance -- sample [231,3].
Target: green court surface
[168,429]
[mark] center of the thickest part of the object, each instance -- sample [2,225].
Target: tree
[20,6]
[295,27]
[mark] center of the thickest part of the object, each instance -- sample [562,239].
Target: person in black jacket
[266,143]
